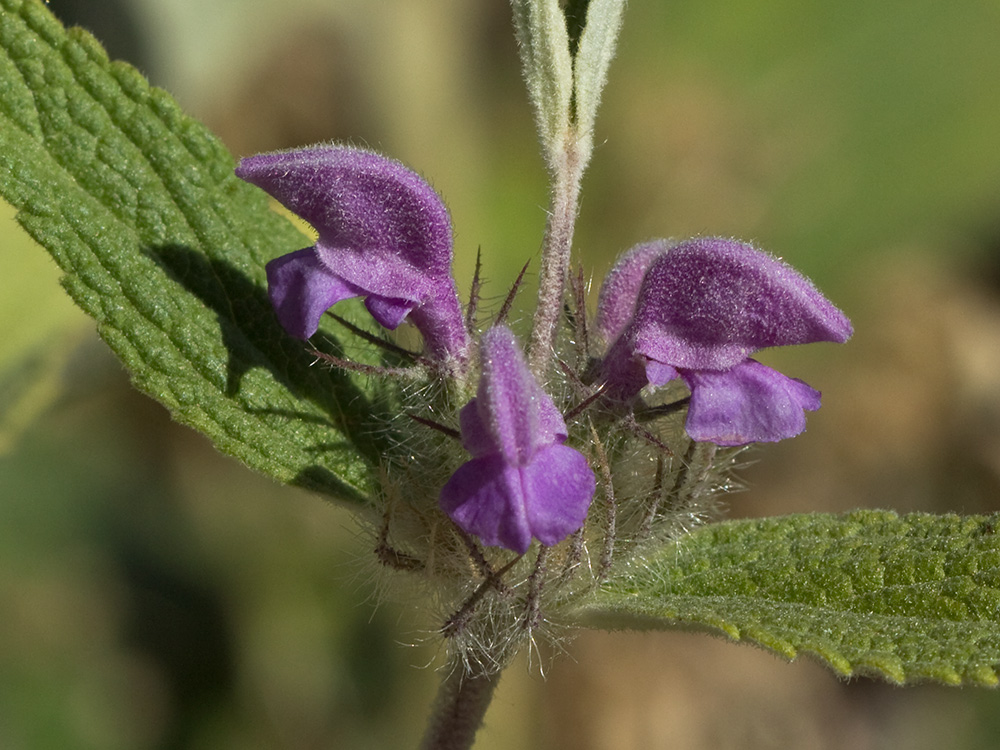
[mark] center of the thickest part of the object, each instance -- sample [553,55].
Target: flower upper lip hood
[384,234]
[620,290]
[698,310]
[522,482]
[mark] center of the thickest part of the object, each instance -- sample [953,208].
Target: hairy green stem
[556,246]
[459,709]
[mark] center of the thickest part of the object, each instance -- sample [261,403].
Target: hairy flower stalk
[458,710]
[556,248]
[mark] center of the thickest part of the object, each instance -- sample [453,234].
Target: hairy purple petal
[750,403]
[703,308]
[659,374]
[620,290]
[561,485]
[512,414]
[383,232]
[522,482]
[505,506]
[709,303]
[389,313]
[485,498]
[302,289]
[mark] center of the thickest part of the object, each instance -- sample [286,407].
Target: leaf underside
[905,598]
[165,248]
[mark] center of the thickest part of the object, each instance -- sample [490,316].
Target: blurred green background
[156,595]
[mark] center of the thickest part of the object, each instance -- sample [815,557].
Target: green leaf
[165,249]
[593,56]
[906,598]
[548,70]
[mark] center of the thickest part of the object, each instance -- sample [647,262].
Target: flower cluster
[694,311]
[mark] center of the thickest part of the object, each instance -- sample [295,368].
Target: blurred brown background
[156,595]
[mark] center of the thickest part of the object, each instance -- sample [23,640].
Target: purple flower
[522,482]
[384,235]
[698,310]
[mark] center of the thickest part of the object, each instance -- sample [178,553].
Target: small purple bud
[522,482]
[384,235]
[703,308]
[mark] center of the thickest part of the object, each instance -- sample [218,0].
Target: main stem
[458,710]
[556,246]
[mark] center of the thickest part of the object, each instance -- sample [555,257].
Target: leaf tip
[772,642]
[836,661]
[886,666]
[982,676]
